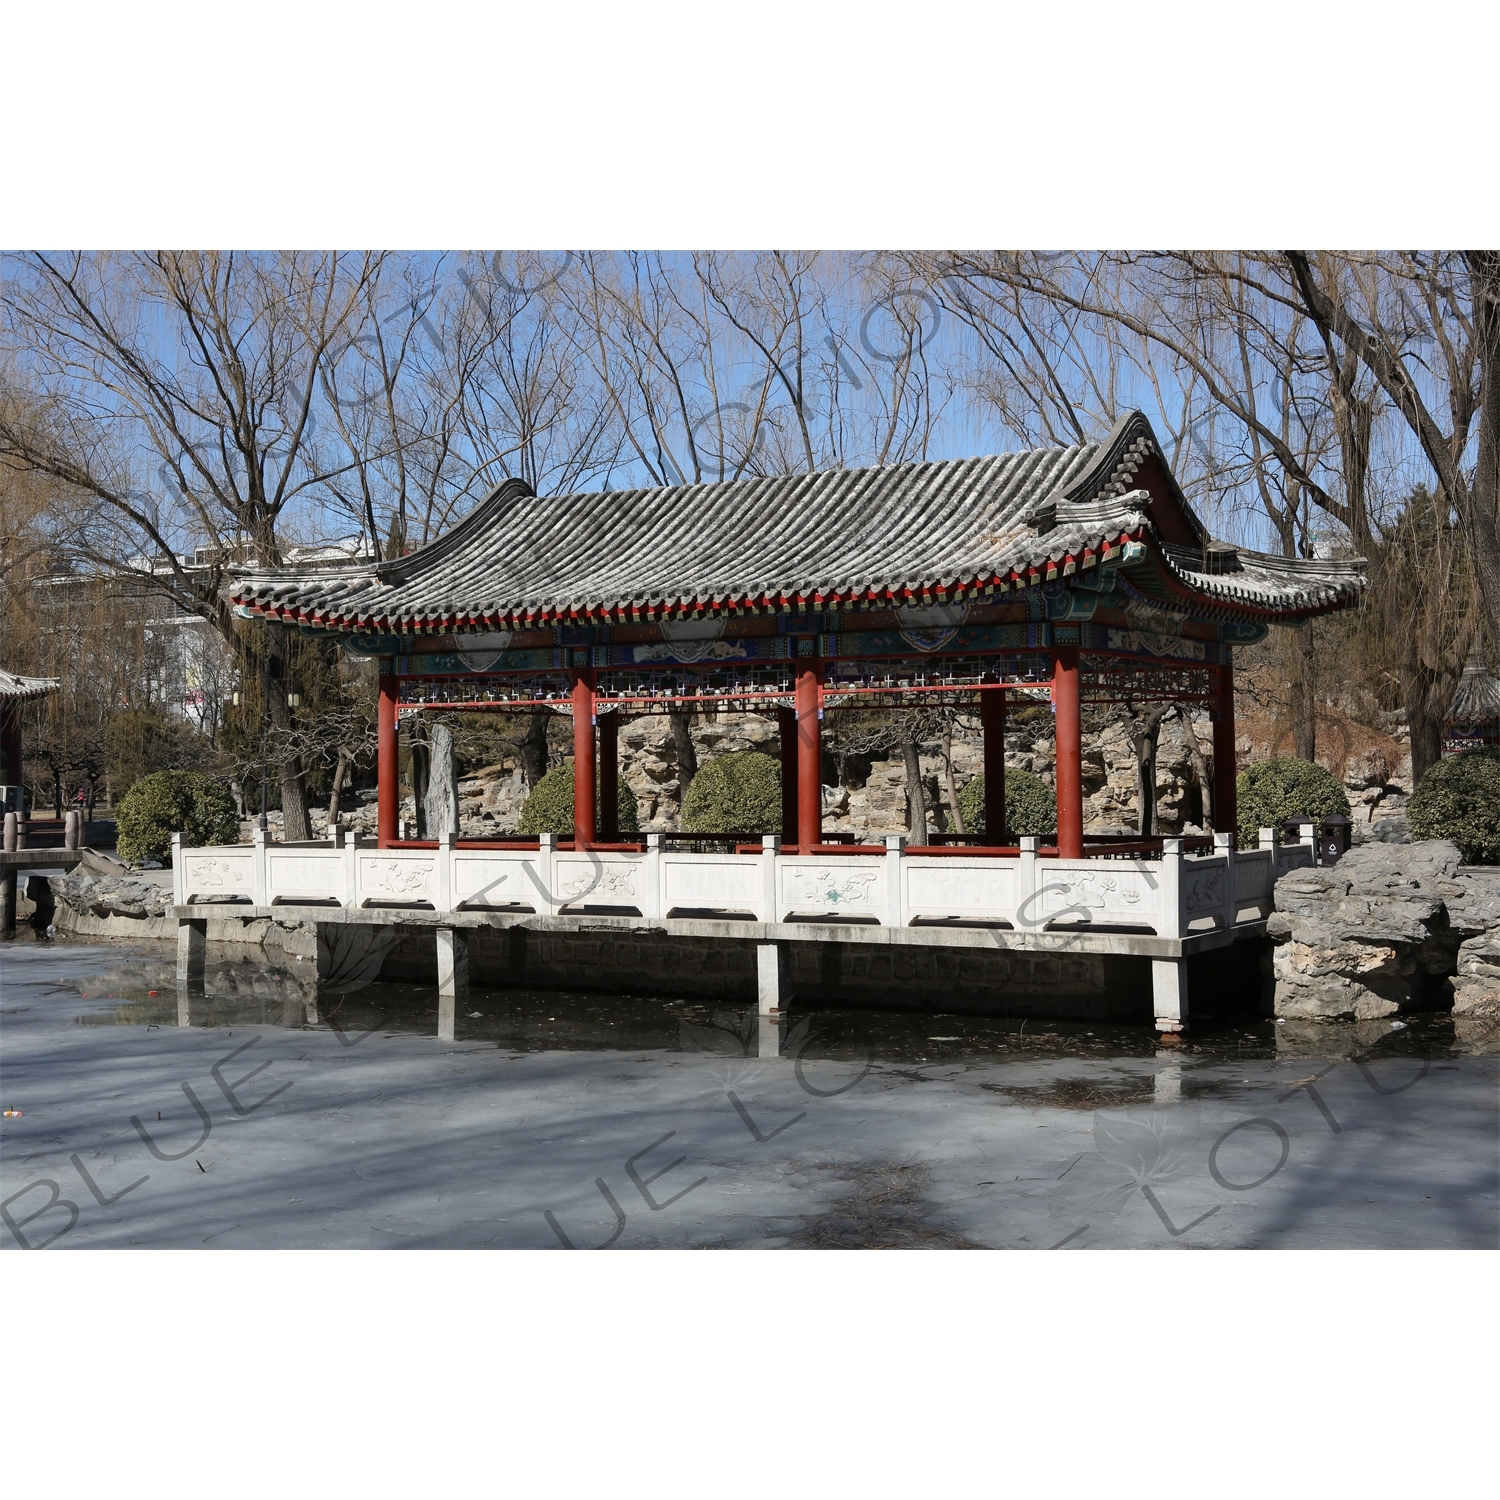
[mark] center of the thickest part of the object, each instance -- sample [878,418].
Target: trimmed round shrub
[1459,799]
[736,793]
[1275,790]
[166,802]
[1030,805]
[549,808]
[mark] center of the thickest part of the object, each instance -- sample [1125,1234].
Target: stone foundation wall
[1087,987]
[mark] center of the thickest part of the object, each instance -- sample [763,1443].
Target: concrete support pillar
[192,951]
[1169,994]
[992,725]
[453,978]
[609,778]
[1067,704]
[772,963]
[387,765]
[72,829]
[1226,811]
[809,756]
[786,723]
[583,757]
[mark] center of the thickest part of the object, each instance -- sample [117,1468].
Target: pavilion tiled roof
[14,686]
[914,532]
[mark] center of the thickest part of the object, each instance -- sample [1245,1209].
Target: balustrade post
[653,876]
[1171,888]
[1026,883]
[261,879]
[1224,846]
[546,863]
[444,862]
[179,873]
[896,908]
[770,848]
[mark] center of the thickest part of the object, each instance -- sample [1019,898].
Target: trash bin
[1328,836]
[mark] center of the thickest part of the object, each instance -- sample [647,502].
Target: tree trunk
[1199,762]
[1304,696]
[295,825]
[340,771]
[1144,735]
[916,803]
[534,748]
[687,756]
[956,813]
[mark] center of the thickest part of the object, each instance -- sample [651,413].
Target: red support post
[1226,809]
[387,765]
[992,726]
[809,757]
[786,722]
[583,757]
[10,744]
[1066,703]
[609,778]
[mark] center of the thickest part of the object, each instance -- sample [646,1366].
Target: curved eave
[1329,587]
[14,688]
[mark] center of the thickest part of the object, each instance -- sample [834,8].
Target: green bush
[737,793]
[1275,790]
[1030,805]
[1459,799]
[166,802]
[549,808]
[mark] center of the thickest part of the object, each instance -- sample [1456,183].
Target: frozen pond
[258,1113]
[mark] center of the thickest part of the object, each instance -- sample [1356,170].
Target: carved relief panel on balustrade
[1109,893]
[398,878]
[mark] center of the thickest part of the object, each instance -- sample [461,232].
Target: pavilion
[1079,570]
[14,691]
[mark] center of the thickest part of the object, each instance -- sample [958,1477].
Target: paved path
[270,1135]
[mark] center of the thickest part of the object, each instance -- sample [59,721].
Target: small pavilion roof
[13,686]
[899,534]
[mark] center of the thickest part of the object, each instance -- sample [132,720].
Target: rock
[441,802]
[111,896]
[1370,936]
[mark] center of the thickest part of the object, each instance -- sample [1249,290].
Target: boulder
[111,896]
[1374,934]
[441,804]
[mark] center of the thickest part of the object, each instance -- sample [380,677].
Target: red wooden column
[1065,699]
[10,743]
[609,778]
[387,765]
[809,758]
[992,726]
[786,722]
[583,757]
[1226,810]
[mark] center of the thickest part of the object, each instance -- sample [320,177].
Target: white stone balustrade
[1174,896]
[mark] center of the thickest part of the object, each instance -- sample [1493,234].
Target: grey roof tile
[845,532]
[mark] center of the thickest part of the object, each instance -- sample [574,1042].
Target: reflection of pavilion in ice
[1474,718]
